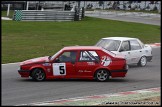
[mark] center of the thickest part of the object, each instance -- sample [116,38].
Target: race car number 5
[59,69]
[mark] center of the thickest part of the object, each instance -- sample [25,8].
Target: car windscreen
[53,56]
[109,44]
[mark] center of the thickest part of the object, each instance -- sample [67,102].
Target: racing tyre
[38,75]
[102,75]
[142,62]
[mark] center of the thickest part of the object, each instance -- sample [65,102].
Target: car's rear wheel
[38,75]
[102,75]
[143,61]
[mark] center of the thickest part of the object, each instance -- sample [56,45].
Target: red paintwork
[37,60]
[72,70]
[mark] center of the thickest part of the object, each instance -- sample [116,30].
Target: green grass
[23,40]
[4,13]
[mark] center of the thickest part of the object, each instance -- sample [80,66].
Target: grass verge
[22,40]
[4,14]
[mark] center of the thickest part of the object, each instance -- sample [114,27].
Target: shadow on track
[135,66]
[74,80]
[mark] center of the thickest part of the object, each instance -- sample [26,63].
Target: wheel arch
[140,60]
[37,67]
[102,69]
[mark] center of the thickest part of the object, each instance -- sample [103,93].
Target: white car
[133,49]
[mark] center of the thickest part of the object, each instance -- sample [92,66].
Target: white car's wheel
[143,61]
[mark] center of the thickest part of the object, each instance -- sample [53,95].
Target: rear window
[88,56]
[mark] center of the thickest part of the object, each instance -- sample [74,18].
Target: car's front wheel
[143,61]
[38,75]
[102,75]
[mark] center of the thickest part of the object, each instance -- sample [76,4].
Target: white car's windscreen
[109,52]
[109,44]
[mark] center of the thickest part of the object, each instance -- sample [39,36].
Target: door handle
[140,51]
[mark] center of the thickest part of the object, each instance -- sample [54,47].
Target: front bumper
[149,58]
[24,73]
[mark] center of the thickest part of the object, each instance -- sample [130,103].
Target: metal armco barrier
[45,15]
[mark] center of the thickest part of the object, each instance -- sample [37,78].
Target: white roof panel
[119,38]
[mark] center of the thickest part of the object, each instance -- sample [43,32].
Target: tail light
[125,65]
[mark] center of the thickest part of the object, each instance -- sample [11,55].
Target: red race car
[76,62]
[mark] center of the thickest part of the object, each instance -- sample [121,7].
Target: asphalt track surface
[17,90]
[144,18]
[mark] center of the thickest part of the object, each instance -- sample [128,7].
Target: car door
[88,61]
[136,51]
[125,51]
[64,65]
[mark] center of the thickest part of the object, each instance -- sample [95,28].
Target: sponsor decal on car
[90,63]
[105,61]
[84,71]
[46,64]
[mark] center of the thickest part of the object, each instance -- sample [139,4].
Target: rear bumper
[119,73]
[24,73]
[123,70]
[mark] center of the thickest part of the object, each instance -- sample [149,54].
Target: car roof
[119,38]
[82,48]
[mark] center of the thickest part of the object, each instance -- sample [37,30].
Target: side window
[125,46]
[94,55]
[135,45]
[88,56]
[68,56]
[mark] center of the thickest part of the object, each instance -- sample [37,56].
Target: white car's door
[124,49]
[136,51]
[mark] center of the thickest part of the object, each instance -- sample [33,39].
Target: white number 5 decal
[59,69]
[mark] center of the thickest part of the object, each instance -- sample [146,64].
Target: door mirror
[57,60]
[121,49]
